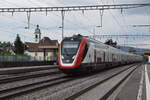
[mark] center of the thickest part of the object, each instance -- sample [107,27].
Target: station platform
[138,86]
[25,69]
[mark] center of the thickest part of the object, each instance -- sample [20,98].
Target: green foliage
[7,48]
[20,55]
[7,53]
[6,45]
[18,46]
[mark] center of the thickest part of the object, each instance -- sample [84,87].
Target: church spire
[37,34]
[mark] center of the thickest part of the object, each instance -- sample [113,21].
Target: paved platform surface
[138,86]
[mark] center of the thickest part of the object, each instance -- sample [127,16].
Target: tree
[111,43]
[6,46]
[18,46]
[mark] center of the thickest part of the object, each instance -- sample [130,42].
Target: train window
[70,47]
[115,58]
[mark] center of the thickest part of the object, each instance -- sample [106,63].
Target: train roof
[110,47]
[104,45]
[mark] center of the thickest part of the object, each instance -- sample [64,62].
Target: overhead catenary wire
[75,8]
[28,18]
[120,25]
[71,22]
[65,19]
[116,19]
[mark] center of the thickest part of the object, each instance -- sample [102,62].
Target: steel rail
[116,86]
[31,87]
[76,95]
[24,77]
[17,91]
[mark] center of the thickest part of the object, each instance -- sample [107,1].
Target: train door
[112,59]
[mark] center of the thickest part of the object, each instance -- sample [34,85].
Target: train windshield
[70,47]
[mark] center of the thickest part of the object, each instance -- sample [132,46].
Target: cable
[24,21]
[118,22]
[116,19]
[55,14]
[69,21]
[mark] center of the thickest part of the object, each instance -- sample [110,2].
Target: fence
[17,61]
[25,58]
[47,58]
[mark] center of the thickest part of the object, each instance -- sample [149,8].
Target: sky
[76,22]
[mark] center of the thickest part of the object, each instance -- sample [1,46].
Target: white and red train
[80,54]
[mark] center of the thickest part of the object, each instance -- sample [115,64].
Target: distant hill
[127,48]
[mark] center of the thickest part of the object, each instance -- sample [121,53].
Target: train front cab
[71,52]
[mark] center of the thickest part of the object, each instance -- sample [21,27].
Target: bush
[7,53]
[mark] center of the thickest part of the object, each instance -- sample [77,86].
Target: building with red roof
[46,49]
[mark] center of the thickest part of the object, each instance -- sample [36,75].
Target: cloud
[75,22]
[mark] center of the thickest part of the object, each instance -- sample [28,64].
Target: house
[46,49]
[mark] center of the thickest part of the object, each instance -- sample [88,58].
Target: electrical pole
[101,8]
[62,15]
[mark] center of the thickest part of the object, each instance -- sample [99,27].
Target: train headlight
[74,57]
[62,57]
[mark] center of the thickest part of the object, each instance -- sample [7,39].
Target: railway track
[6,90]
[10,93]
[18,76]
[16,91]
[24,77]
[35,86]
[79,92]
[20,70]
[108,93]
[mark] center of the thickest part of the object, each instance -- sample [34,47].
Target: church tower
[37,34]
